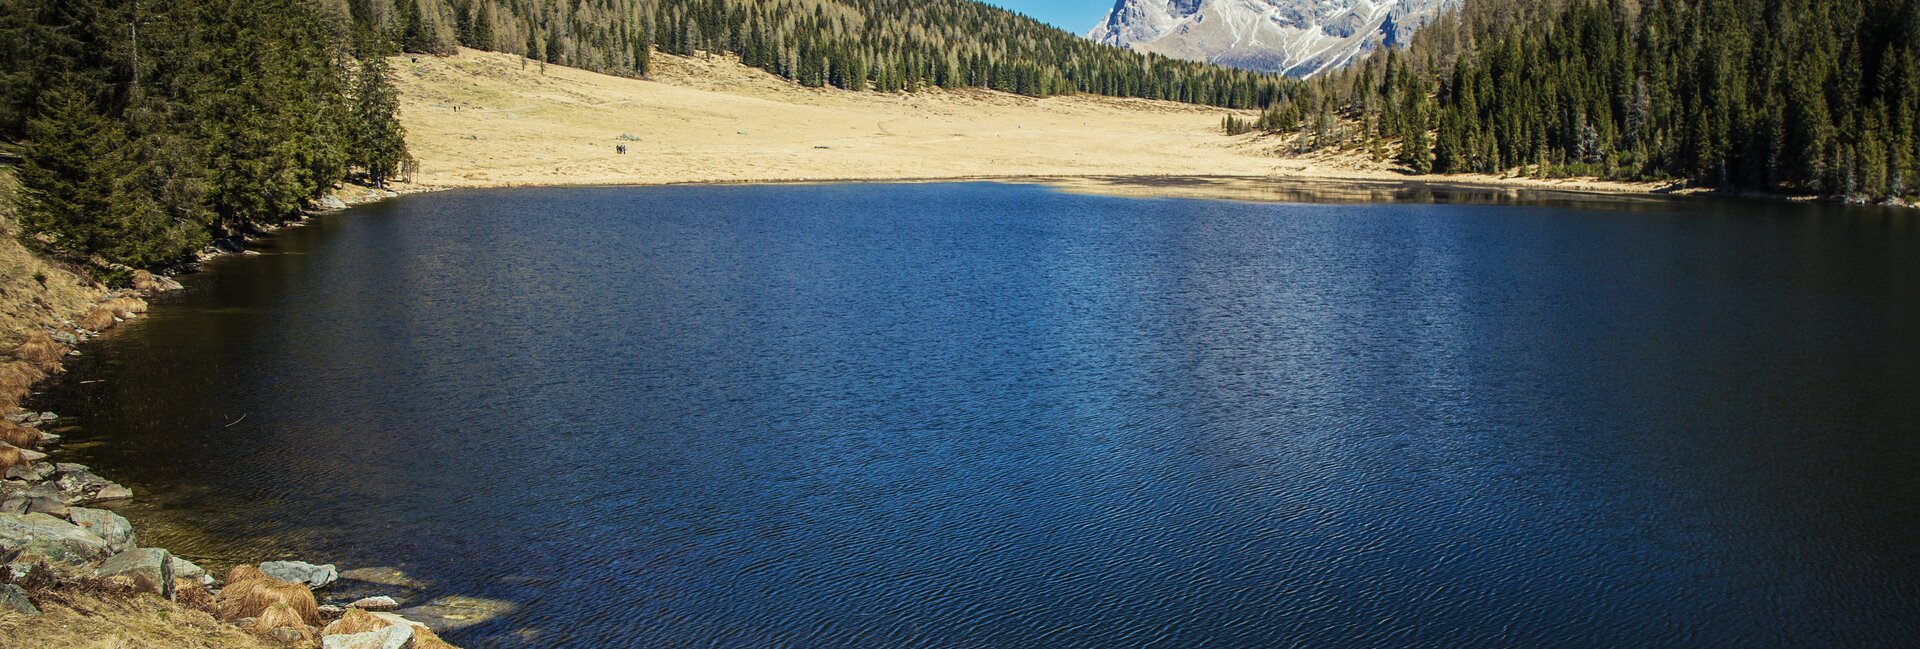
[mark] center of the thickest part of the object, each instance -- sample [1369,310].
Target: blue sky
[1076,16]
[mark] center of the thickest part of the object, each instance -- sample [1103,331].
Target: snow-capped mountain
[1296,37]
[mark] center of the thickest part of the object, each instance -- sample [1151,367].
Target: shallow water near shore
[985,415]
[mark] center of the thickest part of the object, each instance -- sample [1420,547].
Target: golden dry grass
[16,382]
[99,319]
[354,621]
[88,621]
[251,597]
[480,119]
[10,457]
[14,434]
[125,307]
[40,349]
[279,616]
[244,572]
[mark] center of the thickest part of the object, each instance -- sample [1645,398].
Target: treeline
[1819,96]
[882,45]
[151,127]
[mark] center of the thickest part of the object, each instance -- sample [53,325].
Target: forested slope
[885,45]
[150,127]
[1805,96]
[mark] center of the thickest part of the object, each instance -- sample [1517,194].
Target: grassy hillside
[884,45]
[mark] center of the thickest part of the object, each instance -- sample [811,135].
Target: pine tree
[379,141]
[70,167]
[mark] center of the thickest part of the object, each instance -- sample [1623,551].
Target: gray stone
[455,612]
[184,569]
[14,600]
[34,472]
[148,569]
[14,504]
[287,634]
[66,338]
[331,202]
[110,526]
[398,636]
[54,506]
[82,487]
[330,611]
[50,542]
[375,603]
[301,572]
[31,455]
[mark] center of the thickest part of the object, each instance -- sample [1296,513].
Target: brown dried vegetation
[17,435]
[40,350]
[252,596]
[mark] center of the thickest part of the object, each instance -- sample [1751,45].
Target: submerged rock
[147,570]
[361,583]
[14,600]
[301,572]
[453,612]
[106,525]
[398,636]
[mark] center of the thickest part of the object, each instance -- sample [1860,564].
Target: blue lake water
[981,415]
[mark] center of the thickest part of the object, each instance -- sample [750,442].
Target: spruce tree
[379,141]
[69,170]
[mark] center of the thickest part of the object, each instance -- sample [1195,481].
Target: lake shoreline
[480,120]
[67,507]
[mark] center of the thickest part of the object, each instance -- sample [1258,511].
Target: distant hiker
[620,149]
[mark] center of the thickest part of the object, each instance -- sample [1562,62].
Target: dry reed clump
[359,621]
[17,379]
[14,434]
[40,350]
[100,319]
[125,307]
[79,619]
[278,616]
[354,621]
[244,573]
[10,457]
[191,594]
[252,596]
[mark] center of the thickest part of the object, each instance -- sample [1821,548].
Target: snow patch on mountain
[1296,37]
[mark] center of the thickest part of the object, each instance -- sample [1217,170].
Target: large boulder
[53,543]
[398,636]
[44,497]
[301,572]
[14,600]
[147,570]
[107,525]
[82,487]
